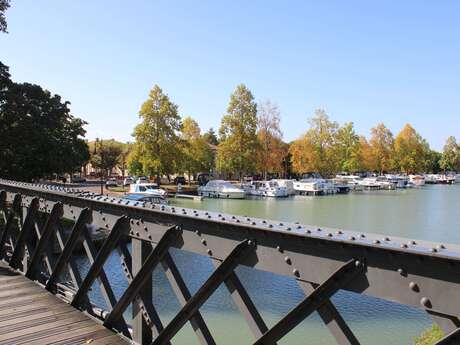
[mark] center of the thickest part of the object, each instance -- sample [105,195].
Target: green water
[430,213]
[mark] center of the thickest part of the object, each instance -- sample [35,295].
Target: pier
[322,261]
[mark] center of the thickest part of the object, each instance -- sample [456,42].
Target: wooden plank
[24,299]
[11,314]
[44,334]
[79,336]
[37,319]
[111,340]
[16,292]
[16,284]
[67,319]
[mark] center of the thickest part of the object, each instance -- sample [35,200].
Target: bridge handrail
[416,273]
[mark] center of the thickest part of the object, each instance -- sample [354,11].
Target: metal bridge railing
[416,273]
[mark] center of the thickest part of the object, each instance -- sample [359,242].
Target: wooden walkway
[31,315]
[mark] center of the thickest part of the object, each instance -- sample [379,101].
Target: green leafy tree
[238,139]
[349,149]
[317,150]
[106,155]
[433,162]
[382,146]
[211,137]
[157,136]
[4,5]
[39,135]
[451,155]
[197,154]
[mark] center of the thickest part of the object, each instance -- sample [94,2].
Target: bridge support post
[142,333]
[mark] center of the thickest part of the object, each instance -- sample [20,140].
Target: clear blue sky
[362,61]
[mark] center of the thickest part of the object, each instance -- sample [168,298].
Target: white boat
[221,189]
[151,189]
[430,178]
[400,181]
[370,183]
[457,178]
[352,181]
[288,184]
[379,182]
[314,184]
[265,188]
[417,180]
[445,179]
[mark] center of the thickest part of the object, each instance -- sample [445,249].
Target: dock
[31,315]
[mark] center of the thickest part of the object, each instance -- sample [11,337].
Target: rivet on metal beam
[413,286]
[209,251]
[295,271]
[376,241]
[351,238]
[425,301]
[287,259]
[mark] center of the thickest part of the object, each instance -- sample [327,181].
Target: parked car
[142,179]
[180,179]
[111,182]
[128,181]
[78,179]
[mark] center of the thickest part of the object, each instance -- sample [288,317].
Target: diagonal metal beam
[104,283]
[318,297]
[25,233]
[11,219]
[146,306]
[44,241]
[143,275]
[219,275]
[452,338]
[119,230]
[66,253]
[245,305]
[332,319]
[183,295]
[447,323]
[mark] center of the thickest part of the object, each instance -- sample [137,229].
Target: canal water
[429,213]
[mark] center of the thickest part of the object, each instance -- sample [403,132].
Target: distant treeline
[40,137]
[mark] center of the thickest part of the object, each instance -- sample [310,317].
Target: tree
[238,140]
[450,159]
[210,137]
[368,162]
[433,163]
[349,149]
[39,135]
[4,5]
[271,150]
[197,154]
[411,151]
[382,145]
[316,150]
[157,136]
[106,155]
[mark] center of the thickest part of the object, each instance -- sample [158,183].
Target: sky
[394,62]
